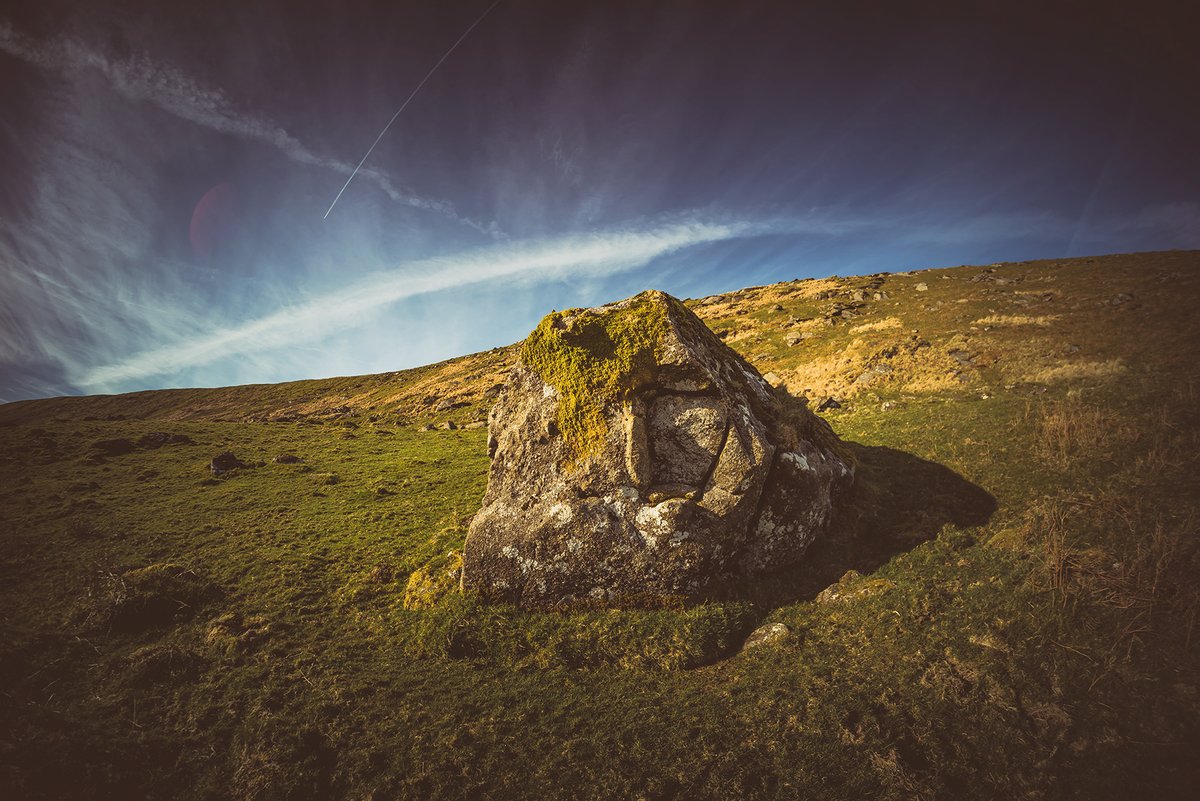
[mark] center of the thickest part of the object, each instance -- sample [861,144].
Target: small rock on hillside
[224,462]
[767,635]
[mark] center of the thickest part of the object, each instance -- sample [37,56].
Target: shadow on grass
[898,501]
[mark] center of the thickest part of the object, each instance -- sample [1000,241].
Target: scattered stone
[963,357]
[1117,300]
[382,491]
[636,457]
[224,462]
[429,427]
[773,379]
[874,372]
[777,307]
[449,425]
[793,340]
[1071,349]
[828,403]
[767,635]
[922,287]
[475,424]
[448,405]
[851,586]
[859,295]
[287,458]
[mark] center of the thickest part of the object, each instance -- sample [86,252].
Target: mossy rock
[433,581]
[595,359]
[853,585]
[636,456]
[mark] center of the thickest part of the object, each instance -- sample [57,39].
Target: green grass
[1024,625]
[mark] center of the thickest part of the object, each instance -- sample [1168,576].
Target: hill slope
[1015,616]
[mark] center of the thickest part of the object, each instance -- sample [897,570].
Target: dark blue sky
[166,171]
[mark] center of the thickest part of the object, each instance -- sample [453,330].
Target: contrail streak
[404,105]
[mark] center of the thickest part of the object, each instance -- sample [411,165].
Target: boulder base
[637,457]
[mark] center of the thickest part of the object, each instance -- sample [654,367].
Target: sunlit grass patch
[1077,371]
[886,324]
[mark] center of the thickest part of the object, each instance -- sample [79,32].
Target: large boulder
[637,457]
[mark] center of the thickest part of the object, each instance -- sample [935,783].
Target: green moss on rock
[593,359]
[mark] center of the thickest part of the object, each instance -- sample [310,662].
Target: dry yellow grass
[768,295]
[741,335]
[810,288]
[1076,371]
[1114,548]
[1138,568]
[1070,429]
[908,364]
[886,324]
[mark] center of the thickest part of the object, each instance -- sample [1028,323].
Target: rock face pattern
[635,457]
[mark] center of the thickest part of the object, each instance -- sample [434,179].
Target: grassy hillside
[1008,610]
[459,390]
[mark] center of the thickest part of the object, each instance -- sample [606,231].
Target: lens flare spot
[213,219]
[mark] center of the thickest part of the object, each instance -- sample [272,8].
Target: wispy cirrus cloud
[140,79]
[574,256]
